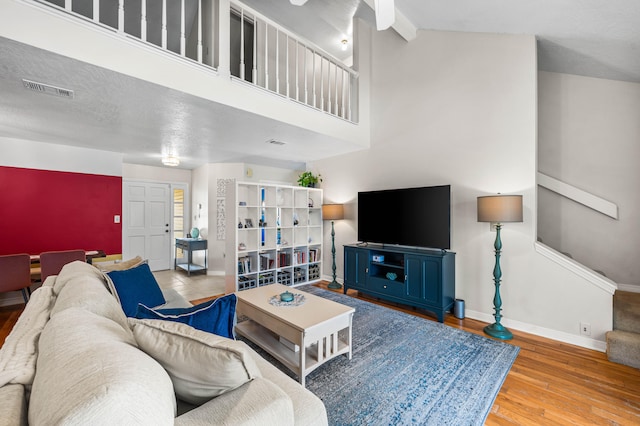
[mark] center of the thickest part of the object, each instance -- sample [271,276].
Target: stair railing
[281,62]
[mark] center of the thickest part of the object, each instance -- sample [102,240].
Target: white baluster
[164,24]
[286,70]
[96,10]
[120,16]
[297,71]
[242,44]
[344,87]
[266,55]
[335,98]
[277,61]
[321,84]
[199,31]
[67,5]
[254,70]
[328,86]
[349,99]
[313,75]
[143,20]
[306,83]
[182,34]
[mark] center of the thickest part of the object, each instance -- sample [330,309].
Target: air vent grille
[275,142]
[47,88]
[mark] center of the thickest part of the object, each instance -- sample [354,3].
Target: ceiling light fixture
[170,160]
[345,44]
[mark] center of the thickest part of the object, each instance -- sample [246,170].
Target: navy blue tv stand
[416,277]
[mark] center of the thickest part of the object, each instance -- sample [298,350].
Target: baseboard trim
[629,287]
[579,269]
[548,333]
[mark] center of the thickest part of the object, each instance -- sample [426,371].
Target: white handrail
[578,195]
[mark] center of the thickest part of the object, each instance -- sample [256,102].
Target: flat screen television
[417,217]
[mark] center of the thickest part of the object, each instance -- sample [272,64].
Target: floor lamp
[498,209]
[333,212]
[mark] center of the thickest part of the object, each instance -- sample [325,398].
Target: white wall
[588,138]
[157,174]
[460,109]
[63,158]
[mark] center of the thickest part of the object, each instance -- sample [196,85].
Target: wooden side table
[189,245]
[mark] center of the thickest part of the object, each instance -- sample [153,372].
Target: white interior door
[147,223]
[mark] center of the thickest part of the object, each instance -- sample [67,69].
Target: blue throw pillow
[136,285]
[216,316]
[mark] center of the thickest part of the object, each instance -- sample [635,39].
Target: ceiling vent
[47,88]
[275,142]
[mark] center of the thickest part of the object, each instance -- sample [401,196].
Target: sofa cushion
[88,291]
[13,405]
[258,402]
[201,365]
[120,266]
[308,409]
[89,371]
[217,316]
[73,271]
[136,285]
[20,349]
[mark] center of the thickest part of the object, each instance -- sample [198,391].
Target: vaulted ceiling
[586,37]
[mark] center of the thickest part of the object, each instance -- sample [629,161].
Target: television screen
[418,217]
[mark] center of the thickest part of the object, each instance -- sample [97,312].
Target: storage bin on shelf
[284,278]
[245,283]
[314,272]
[266,278]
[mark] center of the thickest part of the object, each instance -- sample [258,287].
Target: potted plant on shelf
[309,180]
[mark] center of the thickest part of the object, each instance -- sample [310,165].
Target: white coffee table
[320,328]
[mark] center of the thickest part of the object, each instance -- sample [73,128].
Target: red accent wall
[42,210]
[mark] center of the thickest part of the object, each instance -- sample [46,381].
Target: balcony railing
[259,52]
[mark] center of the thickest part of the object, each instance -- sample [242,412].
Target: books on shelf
[267,261]
[314,255]
[244,265]
[300,257]
[284,259]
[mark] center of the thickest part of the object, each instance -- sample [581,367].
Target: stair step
[623,347]
[626,311]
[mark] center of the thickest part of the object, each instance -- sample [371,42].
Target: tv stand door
[356,268]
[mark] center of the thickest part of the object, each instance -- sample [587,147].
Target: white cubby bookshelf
[273,235]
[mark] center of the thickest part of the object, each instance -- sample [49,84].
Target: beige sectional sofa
[74,358]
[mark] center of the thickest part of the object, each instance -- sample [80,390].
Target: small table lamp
[499,209]
[333,212]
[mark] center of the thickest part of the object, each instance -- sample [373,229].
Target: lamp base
[498,331]
[335,285]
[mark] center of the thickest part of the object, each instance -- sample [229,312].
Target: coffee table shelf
[270,342]
[320,328]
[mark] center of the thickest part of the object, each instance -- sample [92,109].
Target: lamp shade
[332,211]
[500,208]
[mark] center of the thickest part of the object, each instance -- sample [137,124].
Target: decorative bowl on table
[286,296]
[392,276]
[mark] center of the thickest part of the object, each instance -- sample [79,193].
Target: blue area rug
[408,370]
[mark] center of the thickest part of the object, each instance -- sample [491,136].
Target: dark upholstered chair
[15,274]
[51,262]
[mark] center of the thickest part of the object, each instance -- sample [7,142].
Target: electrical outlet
[585,329]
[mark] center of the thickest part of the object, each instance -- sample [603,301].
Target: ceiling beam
[402,25]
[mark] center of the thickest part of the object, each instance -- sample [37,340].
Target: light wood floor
[550,383]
